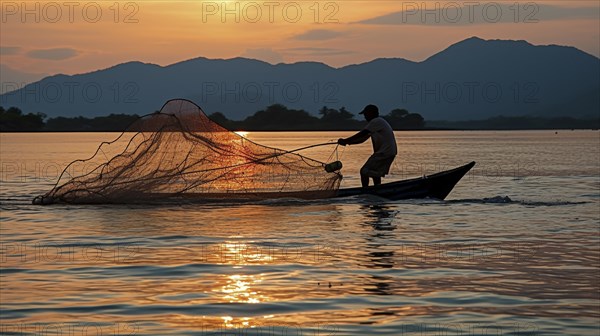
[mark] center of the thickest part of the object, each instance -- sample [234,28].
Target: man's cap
[370,108]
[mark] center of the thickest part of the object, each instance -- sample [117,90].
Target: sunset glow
[336,33]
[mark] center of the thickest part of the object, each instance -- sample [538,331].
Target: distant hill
[470,80]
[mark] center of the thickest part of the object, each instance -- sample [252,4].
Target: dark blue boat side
[436,186]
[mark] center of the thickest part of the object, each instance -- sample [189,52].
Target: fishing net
[180,153]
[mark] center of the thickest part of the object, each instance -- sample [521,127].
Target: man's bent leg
[377,180]
[364,180]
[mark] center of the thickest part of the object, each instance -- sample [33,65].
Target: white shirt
[382,136]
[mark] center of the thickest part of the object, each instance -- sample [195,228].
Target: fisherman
[384,146]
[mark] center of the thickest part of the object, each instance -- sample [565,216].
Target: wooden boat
[436,186]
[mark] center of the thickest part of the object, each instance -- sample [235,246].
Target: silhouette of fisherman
[384,146]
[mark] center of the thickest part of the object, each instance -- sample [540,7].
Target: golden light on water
[239,288]
[230,323]
[241,253]
[194,268]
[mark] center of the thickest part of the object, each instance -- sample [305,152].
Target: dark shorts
[377,165]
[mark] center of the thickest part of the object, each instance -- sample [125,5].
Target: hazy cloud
[318,35]
[264,54]
[9,50]
[414,13]
[319,51]
[54,54]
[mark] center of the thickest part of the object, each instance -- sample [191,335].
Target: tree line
[518,123]
[276,117]
[14,120]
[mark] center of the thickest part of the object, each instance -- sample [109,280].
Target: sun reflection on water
[241,253]
[241,288]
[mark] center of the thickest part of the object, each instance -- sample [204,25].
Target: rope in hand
[312,146]
[329,167]
[336,165]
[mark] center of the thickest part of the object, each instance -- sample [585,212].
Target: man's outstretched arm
[357,138]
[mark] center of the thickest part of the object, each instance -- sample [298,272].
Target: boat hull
[436,186]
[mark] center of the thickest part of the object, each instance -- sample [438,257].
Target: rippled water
[476,264]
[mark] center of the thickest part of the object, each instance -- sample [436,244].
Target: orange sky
[164,32]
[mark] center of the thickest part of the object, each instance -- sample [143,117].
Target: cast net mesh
[179,152]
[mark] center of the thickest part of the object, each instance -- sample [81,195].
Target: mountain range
[472,79]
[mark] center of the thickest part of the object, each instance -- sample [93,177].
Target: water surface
[475,264]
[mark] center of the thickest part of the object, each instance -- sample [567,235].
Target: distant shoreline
[278,118]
